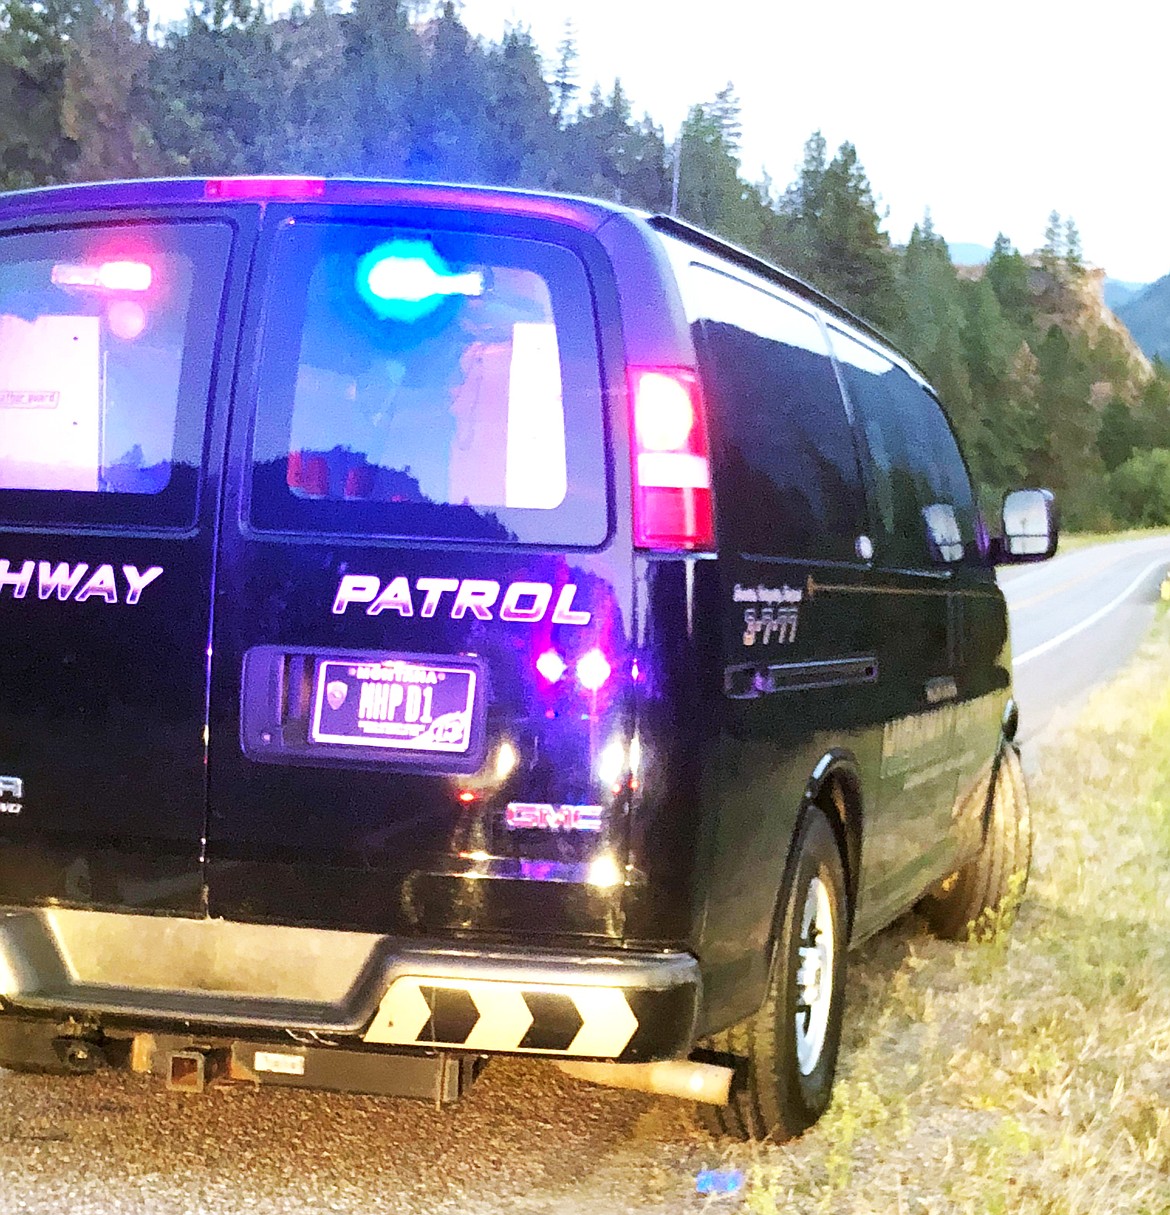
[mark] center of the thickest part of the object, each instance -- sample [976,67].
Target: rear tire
[984,894]
[785,1056]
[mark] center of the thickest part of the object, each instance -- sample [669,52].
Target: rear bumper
[134,972]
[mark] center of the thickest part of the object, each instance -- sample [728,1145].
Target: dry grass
[1029,1072]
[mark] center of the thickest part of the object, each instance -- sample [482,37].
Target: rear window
[106,339]
[429,384]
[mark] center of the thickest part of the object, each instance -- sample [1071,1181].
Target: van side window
[787,479]
[924,501]
[106,340]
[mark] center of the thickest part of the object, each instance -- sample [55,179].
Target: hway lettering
[78,582]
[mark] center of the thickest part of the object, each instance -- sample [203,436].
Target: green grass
[1070,542]
[1029,1072]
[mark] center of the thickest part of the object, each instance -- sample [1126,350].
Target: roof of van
[673,226]
[584,214]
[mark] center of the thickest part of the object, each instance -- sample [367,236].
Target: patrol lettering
[519,602]
[78,581]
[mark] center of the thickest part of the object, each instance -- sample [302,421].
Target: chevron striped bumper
[605,1018]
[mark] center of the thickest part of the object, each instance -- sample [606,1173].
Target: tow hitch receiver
[191,1066]
[191,1071]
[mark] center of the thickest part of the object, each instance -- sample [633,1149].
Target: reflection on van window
[472,414]
[419,386]
[789,483]
[923,493]
[91,348]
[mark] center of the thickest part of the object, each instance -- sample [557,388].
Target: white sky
[990,114]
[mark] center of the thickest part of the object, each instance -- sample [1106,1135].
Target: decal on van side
[65,580]
[776,620]
[523,602]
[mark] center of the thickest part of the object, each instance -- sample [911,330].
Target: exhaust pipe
[706,1082]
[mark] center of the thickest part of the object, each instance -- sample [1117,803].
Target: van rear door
[420,697]
[109,325]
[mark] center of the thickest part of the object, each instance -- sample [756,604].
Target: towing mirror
[1031,526]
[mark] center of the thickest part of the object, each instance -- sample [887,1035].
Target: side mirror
[1031,527]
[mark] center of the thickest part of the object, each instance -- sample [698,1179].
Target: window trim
[971,555]
[685,259]
[587,334]
[113,513]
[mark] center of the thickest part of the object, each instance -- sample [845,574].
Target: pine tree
[564,81]
[1073,258]
[724,112]
[1118,434]
[218,92]
[450,130]
[1007,272]
[608,155]
[1052,251]
[34,149]
[370,100]
[1064,453]
[855,257]
[1001,371]
[519,142]
[711,192]
[933,322]
[104,101]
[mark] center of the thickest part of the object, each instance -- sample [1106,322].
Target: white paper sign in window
[536,472]
[50,402]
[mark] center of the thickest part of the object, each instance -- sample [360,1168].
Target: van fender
[1009,726]
[833,788]
[972,811]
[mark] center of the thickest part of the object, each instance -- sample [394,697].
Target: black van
[442,622]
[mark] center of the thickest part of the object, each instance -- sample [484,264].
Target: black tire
[776,1092]
[982,896]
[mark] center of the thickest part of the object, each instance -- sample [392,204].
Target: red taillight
[672,473]
[261,188]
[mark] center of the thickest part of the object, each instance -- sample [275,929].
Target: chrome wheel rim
[814,975]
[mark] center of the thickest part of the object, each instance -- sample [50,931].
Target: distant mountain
[1118,293]
[1147,317]
[969,255]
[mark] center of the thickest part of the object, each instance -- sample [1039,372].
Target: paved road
[526,1140]
[1075,621]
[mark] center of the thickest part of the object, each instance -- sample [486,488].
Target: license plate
[397,703]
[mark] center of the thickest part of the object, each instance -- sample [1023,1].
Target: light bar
[261,188]
[105,276]
[406,280]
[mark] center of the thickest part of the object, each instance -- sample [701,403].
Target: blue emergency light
[406,280]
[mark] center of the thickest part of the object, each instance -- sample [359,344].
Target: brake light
[551,665]
[593,669]
[672,473]
[261,188]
